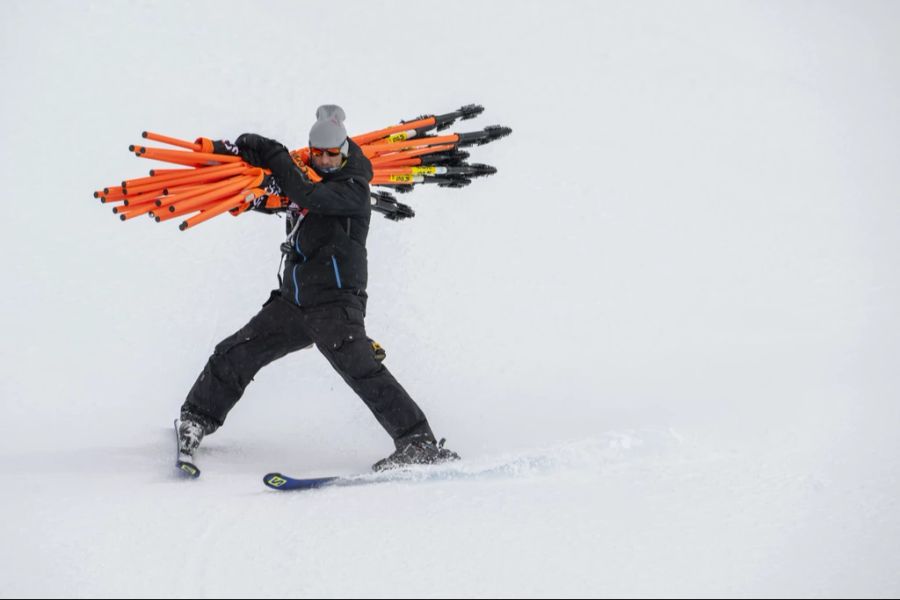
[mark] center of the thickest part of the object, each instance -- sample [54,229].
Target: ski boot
[417,451]
[189,433]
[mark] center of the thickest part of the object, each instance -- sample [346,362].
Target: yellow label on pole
[402,178]
[424,170]
[276,481]
[398,137]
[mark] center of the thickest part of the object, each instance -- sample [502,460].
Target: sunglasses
[317,152]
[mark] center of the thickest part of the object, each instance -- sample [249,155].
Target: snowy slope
[663,336]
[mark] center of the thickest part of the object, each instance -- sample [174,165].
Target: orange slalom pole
[402,171]
[210,204]
[129,213]
[397,180]
[185,157]
[159,177]
[143,189]
[171,191]
[199,206]
[223,158]
[389,158]
[126,183]
[156,137]
[368,138]
[165,201]
[109,196]
[409,162]
[205,215]
[210,173]
[203,175]
[113,189]
[163,214]
[171,159]
[185,206]
[410,144]
[141,199]
[157,172]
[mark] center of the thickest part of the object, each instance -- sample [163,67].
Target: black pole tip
[152,173]
[183,225]
[122,217]
[144,134]
[172,208]
[157,219]
[96,194]
[131,148]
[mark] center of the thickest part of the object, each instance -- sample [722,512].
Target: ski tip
[274,480]
[188,469]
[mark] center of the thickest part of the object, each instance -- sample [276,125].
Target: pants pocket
[336,326]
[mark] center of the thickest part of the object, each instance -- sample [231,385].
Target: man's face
[326,159]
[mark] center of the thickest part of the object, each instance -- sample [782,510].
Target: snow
[663,336]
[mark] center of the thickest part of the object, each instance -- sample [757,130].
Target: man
[321,300]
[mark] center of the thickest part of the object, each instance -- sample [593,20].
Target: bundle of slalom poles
[201,185]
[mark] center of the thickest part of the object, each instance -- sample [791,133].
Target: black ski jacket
[327,261]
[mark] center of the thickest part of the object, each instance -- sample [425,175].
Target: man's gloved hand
[217,146]
[258,150]
[267,196]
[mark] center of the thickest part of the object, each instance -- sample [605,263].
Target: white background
[671,317]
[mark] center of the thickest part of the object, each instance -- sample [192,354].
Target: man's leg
[275,331]
[340,334]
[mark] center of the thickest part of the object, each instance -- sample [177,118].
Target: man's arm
[334,198]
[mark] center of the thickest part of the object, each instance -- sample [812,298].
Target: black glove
[217,146]
[225,147]
[268,196]
[258,150]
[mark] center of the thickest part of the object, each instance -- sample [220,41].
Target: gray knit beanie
[328,131]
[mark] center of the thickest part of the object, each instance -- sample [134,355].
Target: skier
[321,299]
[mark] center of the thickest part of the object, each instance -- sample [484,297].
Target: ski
[278,481]
[184,462]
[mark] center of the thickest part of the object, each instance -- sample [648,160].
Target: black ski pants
[281,327]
